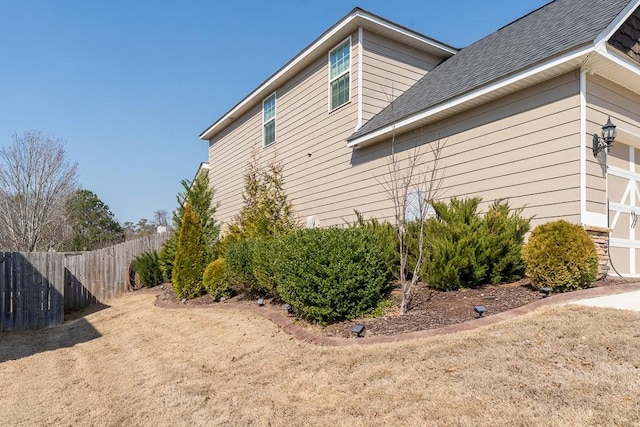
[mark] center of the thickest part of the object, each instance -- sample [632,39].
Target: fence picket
[37,288]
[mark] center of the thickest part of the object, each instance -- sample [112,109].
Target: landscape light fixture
[546,291]
[358,330]
[480,309]
[608,135]
[288,308]
[260,302]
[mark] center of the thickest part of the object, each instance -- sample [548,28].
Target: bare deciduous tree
[412,184]
[161,218]
[35,181]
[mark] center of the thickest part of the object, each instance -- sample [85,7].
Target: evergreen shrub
[191,257]
[465,249]
[265,253]
[561,256]
[331,274]
[215,279]
[387,234]
[147,267]
[238,256]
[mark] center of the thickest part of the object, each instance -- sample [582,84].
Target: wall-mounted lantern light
[608,135]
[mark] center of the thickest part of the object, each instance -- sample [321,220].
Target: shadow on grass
[75,330]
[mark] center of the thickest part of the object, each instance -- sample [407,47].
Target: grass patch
[567,365]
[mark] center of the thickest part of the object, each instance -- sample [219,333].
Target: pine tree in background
[191,256]
[93,224]
[200,196]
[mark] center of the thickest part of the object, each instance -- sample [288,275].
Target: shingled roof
[557,27]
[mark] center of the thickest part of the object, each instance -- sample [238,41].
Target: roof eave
[356,18]
[415,120]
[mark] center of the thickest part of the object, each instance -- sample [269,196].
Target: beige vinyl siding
[524,147]
[389,69]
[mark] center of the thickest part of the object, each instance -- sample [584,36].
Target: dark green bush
[330,274]
[463,249]
[147,267]
[387,234]
[264,253]
[505,231]
[238,256]
[453,251]
[215,279]
[560,255]
[191,257]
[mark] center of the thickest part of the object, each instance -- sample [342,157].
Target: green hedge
[331,274]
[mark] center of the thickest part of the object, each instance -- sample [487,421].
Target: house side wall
[523,147]
[389,69]
[308,137]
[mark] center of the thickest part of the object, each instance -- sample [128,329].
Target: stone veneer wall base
[600,236]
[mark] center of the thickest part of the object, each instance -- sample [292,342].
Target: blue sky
[130,84]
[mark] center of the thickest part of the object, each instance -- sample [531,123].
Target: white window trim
[273,119]
[347,71]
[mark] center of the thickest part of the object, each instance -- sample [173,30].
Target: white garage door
[623,170]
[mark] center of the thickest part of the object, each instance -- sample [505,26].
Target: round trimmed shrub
[215,279]
[561,256]
[239,261]
[331,274]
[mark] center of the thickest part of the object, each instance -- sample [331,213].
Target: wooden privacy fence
[37,288]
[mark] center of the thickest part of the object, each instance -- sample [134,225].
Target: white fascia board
[407,33]
[613,26]
[569,56]
[623,62]
[351,20]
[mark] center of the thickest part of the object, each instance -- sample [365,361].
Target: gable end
[627,38]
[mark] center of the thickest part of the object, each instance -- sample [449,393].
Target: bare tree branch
[418,177]
[35,181]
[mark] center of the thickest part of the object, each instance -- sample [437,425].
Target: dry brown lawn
[137,364]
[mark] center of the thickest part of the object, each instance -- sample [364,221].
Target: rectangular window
[340,75]
[269,120]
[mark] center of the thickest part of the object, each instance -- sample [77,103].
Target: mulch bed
[429,308]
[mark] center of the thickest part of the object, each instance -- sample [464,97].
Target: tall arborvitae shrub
[560,255]
[191,257]
[267,212]
[200,196]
